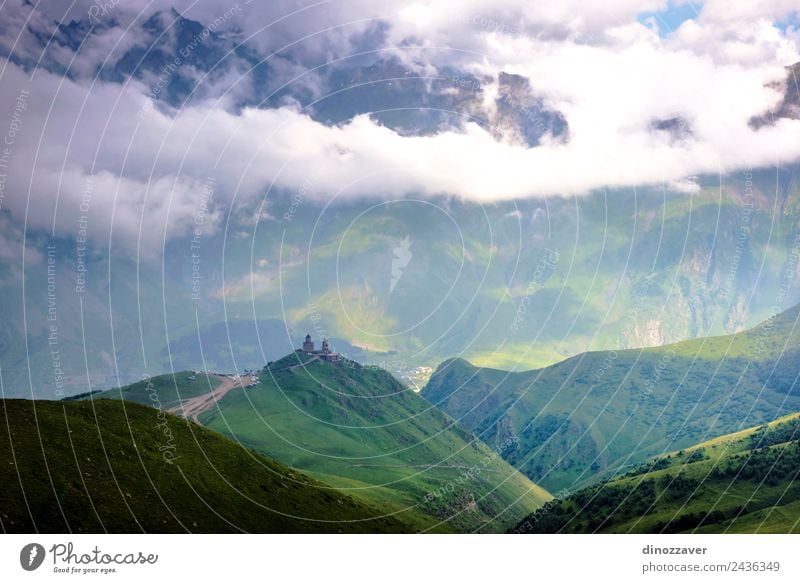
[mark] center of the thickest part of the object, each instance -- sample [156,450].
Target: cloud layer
[642,108]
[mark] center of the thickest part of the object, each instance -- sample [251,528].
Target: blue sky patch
[792,21]
[672,17]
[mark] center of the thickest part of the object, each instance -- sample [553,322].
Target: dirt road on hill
[192,408]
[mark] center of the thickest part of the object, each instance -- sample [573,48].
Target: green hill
[745,482]
[598,412]
[110,466]
[163,391]
[363,432]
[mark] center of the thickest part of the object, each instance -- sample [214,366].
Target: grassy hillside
[601,411]
[164,391]
[111,466]
[360,430]
[746,482]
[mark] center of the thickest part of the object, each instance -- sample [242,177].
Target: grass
[596,413]
[360,430]
[518,355]
[165,390]
[100,466]
[744,482]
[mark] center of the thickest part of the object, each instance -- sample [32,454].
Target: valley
[601,412]
[646,440]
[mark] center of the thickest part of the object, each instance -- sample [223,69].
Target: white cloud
[730,41]
[609,75]
[747,11]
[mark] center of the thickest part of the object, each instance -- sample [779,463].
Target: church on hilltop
[323,354]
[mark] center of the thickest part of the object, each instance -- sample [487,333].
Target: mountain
[361,431]
[412,104]
[621,268]
[790,107]
[206,59]
[602,411]
[533,283]
[180,60]
[183,61]
[745,482]
[616,274]
[111,466]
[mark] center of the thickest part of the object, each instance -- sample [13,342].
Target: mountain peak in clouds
[522,116]
[182,59]
[475,107]
[791,101]
[416,104]
[789,107]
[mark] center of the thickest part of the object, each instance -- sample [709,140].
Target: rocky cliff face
[791,103]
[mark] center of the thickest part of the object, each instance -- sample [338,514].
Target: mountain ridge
[570,416]
[358,429]
[743,483]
